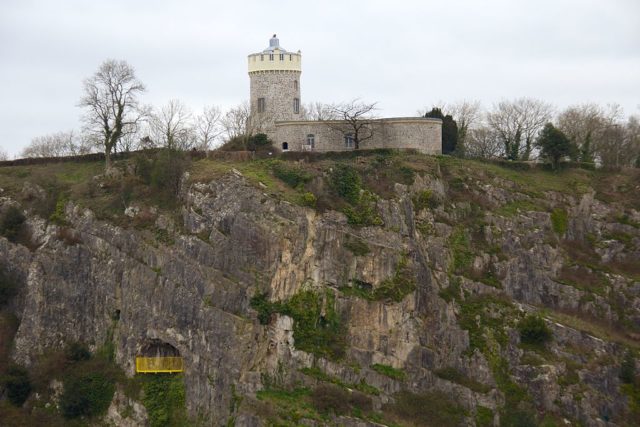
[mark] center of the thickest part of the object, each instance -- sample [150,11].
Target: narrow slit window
[261,105]
[296,105]
[348,140]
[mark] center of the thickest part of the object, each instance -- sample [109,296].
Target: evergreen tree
[449,130]
[553,144]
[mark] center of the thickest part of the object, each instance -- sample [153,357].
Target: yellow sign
[155,365]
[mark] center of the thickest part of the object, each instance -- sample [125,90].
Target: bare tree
[483,143]
[111,103]
[208,127]
[57,144]
[318,111]
[171,126]
[354,118]
[235,121]
[467,115]
[517,123]
[3,155]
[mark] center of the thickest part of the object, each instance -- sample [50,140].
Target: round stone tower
[274,76]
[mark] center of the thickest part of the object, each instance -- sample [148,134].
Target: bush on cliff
[11,223]
[16,382]
[534,330]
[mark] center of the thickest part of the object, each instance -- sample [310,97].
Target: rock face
[189,281]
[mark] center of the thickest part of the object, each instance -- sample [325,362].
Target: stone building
[275,100]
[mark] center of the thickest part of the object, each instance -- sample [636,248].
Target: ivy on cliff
[317,328]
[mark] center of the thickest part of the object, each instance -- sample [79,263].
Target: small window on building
[290,57]
[285,146]
[282,57]
[261,105]
[296,105]
[295,84]
[261,57]
[348,140]
[311,140]
[271,57]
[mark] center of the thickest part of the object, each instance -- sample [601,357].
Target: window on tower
[296,105]
[282,57]
[261,105]
[271,57]
[295,85]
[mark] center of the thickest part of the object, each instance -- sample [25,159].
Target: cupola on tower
[274,76]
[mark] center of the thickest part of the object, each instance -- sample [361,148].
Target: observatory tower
[274,76]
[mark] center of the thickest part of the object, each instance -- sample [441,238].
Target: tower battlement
[274,76]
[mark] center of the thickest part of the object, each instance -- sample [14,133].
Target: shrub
[425,199]
[357,246]
[58,216]
[265,309]
[399,286]
[17,384]
[534,330]
[11,223]
[317,326]
[308,199]
[328,398]
[86,394]
[428,409]
[346,183]
[8,288]
[559,221]
[389,371]
[364,213]
[293,176]
[164,398]
[76,352]
[628,368]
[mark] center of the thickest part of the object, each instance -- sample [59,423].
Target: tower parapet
[274,76]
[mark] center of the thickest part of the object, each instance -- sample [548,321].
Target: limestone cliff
[274,306]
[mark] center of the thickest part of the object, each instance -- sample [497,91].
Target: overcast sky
[403,54]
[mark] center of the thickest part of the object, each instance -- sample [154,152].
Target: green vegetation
[318,374]
[486,318]
[559,221]
[628,368]
[328,398]
[427,409]
[516,207]
[453,375]
[164,398]
[345,182]
[8,287]
[425,200]
[17,383]
[294,176]
[451,292]
[11,223]
[317,326]
[484,417]
[399,286]
[288,407]
[364,213]
[77,352]
[534,330]
[389,371]
[357,246]
[86,394]
[460,249]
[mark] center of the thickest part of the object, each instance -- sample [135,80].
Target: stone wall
[278,88]
[421,134]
